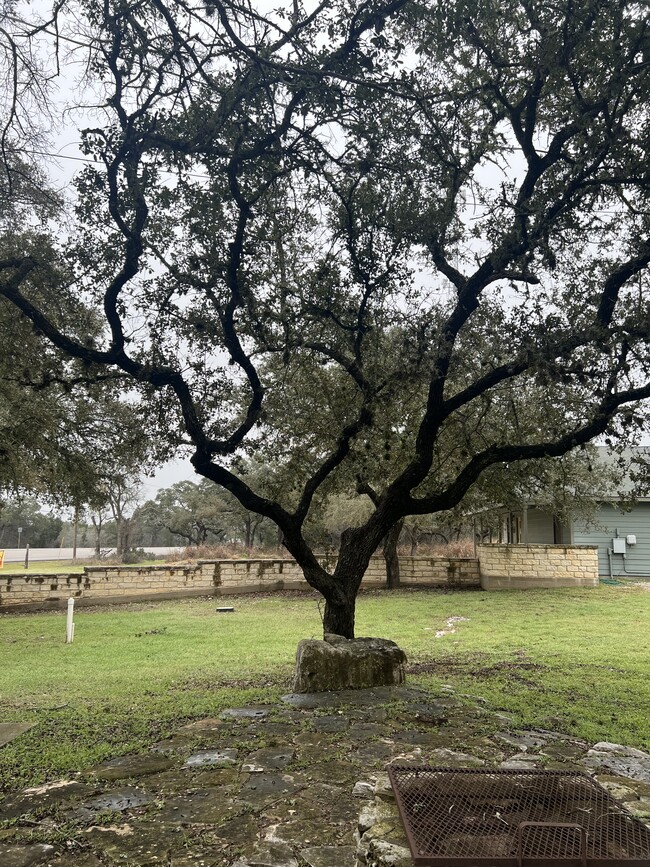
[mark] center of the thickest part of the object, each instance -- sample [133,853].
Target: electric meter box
[618,546]
[631,539]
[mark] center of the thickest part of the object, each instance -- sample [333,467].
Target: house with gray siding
[620,530]
[623,539]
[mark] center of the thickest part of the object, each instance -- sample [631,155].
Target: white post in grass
[69,627]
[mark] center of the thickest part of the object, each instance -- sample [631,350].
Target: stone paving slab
[329,856]
[25,856]
[305,784]
[9,731]
[212,758]
[42,798]
[268,760]
[130,767]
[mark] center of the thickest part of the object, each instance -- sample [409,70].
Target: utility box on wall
[618,546]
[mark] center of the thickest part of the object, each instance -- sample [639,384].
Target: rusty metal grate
[514,818]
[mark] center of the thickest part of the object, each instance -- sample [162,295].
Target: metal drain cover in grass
[514,818]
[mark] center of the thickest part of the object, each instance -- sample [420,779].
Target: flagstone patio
[300,784]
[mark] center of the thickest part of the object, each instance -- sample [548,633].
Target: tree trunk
[125,535]
[340,594]
[339,619]
[390,555]
[354,556]
[74,535]
[118,537]
[339,588]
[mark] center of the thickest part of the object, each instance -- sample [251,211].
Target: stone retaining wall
[516,567]
[109,584]
[501,567]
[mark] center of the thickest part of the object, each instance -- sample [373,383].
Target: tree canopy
[365,238]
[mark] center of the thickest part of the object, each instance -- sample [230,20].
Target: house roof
[633,464]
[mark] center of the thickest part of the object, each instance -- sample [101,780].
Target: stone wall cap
[535,545]
[246,560]
[135,568]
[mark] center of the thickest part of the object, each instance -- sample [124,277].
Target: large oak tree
[364,232]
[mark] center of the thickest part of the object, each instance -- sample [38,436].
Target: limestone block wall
[38,590]
[243,576]
[175,579]
[501,567]
[251,576]
[514,567]
[430,571]
[108,584]
[99,584]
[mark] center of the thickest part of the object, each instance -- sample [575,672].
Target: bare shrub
[459,548]
[227,551]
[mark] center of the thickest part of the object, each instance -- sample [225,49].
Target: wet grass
[577,661]
[43,567]
[68,567]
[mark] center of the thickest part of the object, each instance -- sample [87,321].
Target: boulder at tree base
[341,663]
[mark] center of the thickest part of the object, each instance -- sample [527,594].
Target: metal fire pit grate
[507,818]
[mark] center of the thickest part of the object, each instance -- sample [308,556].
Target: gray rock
[125,767]
[640,808]
[209,725]
[385,854]
[76,859]
[330,723]
[377,714]
[272,855]
[618,749]
[212,758]
[339,663]
[119,799]
[445,756]
[371,814]
[263,787]
[518,764]
[383,788]
[312,701]
[373,752]
[622,766]
[41,798]
[621,793]
[366,731]
[24,856]
[415,738]
[329,856]
[365,699]
[206,806]
[429,712]
[522,741]
[268,760]
[253,712]
[363,790]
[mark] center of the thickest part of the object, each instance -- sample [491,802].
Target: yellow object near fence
[2,559]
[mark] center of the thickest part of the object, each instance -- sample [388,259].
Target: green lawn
[50,567]
[573,660]
[43,567]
